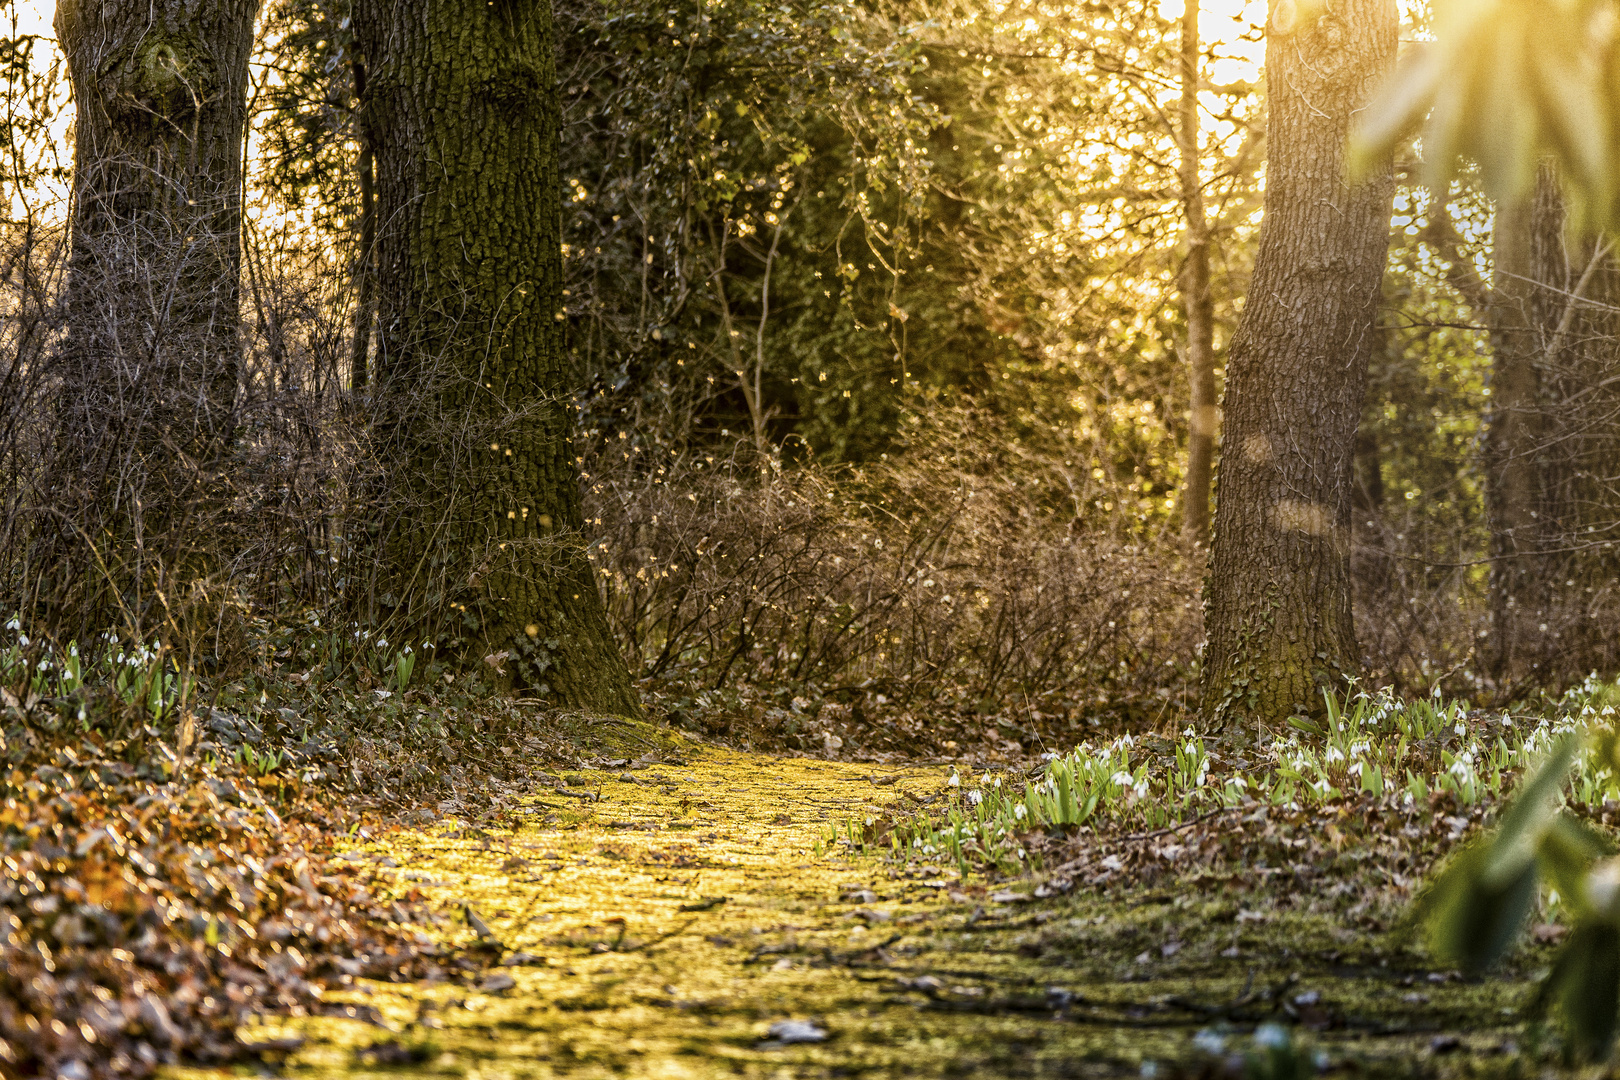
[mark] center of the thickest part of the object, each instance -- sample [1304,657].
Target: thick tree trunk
[1521,321]
[472,380]
[1278,597]
[1552,454]
[1205,415]
[151,359]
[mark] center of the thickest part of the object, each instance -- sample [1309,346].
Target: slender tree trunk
[476,403]
[152,357]
[364,271]
[1195,299]
[1278,596]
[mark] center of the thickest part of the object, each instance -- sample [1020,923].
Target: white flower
[1460,728]
[954,781]
[1019,811]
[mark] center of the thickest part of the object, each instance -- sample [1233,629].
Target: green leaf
[1568,86]
[1532,811]
[1506,143]
[1566,852]
[1472,918]
[1308,726]
[1589,990]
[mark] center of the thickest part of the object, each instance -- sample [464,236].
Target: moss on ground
[673,910]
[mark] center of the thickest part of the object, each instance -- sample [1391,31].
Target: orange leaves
[141,920]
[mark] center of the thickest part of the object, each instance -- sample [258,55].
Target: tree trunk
[1205,416]
[474,389]
[1551,453]
[364,272]
[1278,597]
[1515,484]
[151,359]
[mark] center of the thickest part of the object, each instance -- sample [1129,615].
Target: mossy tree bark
[150,364]
[472,382]
[1277,604]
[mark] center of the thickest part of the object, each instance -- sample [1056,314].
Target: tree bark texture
[1196,302]
[364,270]
[472,382]
[1552,447]
[150,364]
[1528,259]
[1277,604]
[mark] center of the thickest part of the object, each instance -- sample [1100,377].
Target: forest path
[671,923]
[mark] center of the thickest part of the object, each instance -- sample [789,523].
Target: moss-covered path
[658,920]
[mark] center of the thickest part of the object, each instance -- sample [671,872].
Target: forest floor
[682,913]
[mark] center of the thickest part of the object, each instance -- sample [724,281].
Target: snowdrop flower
[954,781]
[1122,779]
[985,780]
[1019,811]
[1460,728]
[975,797]
[1333,756]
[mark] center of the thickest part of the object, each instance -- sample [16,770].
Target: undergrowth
[1373,749]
